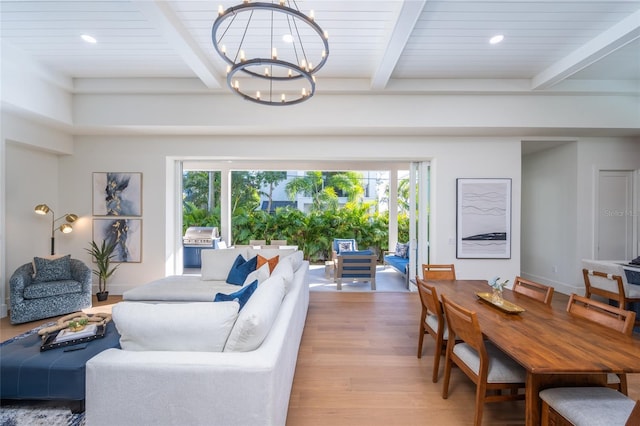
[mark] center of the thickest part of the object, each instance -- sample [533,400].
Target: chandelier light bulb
[258,95]
[220,10]
[283,98]
[312,15]
[274,53]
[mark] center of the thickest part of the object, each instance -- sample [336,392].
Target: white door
[614,237]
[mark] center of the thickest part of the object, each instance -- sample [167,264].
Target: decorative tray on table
[504,305]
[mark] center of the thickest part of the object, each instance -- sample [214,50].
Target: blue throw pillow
[241,295]
[52,269]
[402,250]
[241,269]
[344,244]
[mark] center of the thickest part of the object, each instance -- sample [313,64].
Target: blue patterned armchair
[55,291]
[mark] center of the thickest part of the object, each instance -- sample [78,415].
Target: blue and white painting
[484,218]
[125,234]
[117,194]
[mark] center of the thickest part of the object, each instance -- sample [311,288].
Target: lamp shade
[65,228]
[42,209]
[71,218]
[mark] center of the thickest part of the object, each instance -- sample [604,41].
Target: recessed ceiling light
[496,39]
[88,38]
[287,38]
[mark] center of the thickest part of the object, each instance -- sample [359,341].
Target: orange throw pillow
[272,262]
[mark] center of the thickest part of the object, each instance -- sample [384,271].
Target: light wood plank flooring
[357,365]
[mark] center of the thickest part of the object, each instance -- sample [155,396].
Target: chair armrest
[81,273]
[21,278]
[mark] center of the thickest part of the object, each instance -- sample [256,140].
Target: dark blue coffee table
[56,374]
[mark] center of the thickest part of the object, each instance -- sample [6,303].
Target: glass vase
[496,296]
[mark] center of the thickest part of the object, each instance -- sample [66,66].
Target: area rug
[37,413]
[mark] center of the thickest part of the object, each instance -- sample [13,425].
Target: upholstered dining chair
[610,316]
[257,242]
[534,290]
[432,322]
[438,272]
[587,406]
[486,365]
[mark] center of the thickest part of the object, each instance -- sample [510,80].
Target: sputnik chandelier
[277,48]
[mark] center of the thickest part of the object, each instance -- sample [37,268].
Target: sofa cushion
[52,269]
[255,320]
[286,271]
[216,264]
[272,262]
[241,296]
[296,259]
[260,274]
[198,326]
[51,288]
[240,269]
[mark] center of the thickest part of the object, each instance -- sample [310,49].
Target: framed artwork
[117,194]
[125,233]
[483,224]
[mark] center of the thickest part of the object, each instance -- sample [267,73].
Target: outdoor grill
[200,236]
[196,239]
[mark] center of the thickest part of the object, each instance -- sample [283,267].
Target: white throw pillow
[216,264]
[284,268]
[199,326]
[260,274]
[257,316]
[296,259]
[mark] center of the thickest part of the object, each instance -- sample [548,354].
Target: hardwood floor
[357,365]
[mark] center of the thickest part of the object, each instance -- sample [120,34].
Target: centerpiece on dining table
[498,287]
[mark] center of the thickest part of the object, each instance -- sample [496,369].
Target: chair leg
[436,360]
[480,394]
[420,338]
[623,383]
[447,376]
[339,283]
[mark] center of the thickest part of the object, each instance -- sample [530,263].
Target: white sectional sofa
[141,385]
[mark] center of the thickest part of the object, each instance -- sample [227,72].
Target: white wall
[549,212]
[559,196]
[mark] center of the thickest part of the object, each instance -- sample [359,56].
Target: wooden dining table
[555,347]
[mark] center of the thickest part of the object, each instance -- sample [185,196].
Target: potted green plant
[102,254]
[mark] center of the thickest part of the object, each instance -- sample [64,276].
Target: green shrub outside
[312,232]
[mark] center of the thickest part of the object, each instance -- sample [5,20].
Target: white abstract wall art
[483,219]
